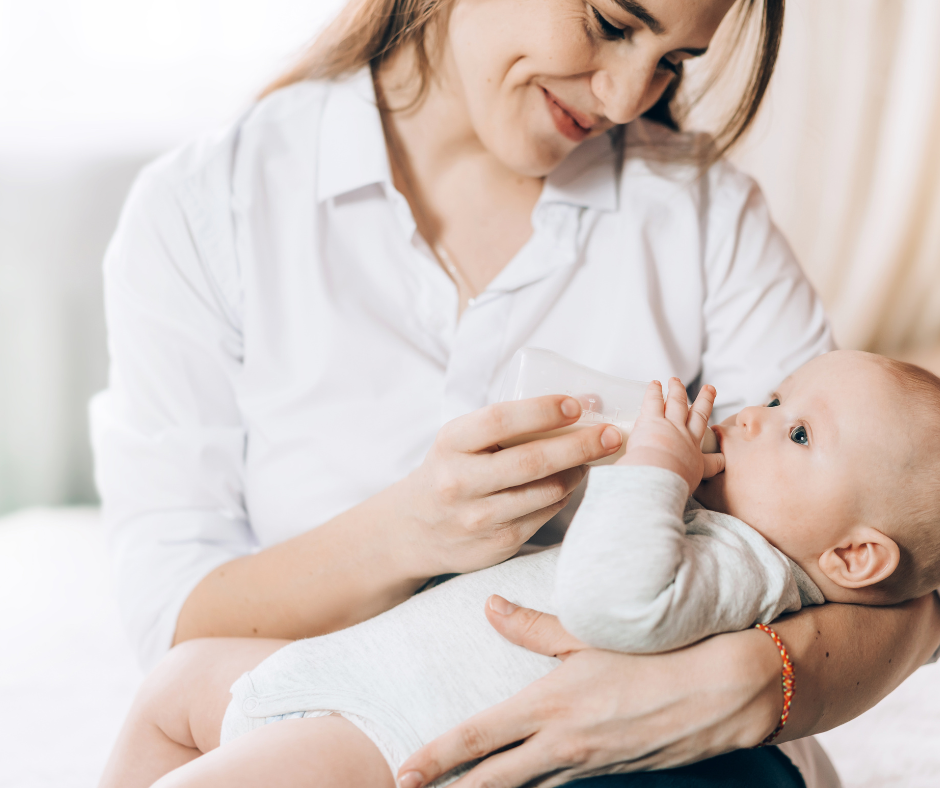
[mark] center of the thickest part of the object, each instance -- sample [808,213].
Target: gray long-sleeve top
[645,568]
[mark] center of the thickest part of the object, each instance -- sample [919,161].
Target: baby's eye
[773,403]
[798,435]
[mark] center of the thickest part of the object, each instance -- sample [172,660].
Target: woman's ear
[865,558]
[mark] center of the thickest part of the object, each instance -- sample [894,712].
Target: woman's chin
[536,156]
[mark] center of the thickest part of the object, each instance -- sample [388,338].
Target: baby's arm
[630,578]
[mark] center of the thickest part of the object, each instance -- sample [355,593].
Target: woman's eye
[798,435]
[773,403]
[668,65]
[607,27]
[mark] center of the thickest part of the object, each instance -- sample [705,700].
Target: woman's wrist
[753,665]
[404,538]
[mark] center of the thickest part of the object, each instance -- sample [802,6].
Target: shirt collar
[587,178]
[352,144]
[353,153]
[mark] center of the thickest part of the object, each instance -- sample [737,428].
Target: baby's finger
[701,411]
[677,403]
[652,406]
[714,464]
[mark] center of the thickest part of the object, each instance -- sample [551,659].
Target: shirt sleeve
[762,317]
[632,577]
[168,438]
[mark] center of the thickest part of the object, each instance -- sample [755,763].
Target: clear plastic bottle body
[605,399]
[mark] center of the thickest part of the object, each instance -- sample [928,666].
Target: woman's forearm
[465,508]
[849,657]
[333,576]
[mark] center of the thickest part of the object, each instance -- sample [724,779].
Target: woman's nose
[623,88]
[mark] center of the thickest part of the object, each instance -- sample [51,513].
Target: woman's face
[540,76]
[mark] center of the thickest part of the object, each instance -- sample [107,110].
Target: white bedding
[67,676]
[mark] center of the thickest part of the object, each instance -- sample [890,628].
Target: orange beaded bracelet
[789,682]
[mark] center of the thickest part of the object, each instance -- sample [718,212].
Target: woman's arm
[328,578]
[603,712]
[849,657]
[466,507]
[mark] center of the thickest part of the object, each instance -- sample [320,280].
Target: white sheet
[67,675]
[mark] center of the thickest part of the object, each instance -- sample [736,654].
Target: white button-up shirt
[284,345]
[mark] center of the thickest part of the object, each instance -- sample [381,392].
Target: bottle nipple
[709,442]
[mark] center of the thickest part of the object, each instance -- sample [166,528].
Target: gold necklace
[450,265]
[401,167]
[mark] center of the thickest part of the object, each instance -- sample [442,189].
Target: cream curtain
[847,149]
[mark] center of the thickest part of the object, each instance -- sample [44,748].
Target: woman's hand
[602,712]
[471,504]
[669,435]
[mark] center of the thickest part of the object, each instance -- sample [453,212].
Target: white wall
[89,91]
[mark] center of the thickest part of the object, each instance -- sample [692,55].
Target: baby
[830,491]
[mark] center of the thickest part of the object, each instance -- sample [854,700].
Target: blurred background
[90,90]
[847,148]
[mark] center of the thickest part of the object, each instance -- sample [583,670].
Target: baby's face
[827,449]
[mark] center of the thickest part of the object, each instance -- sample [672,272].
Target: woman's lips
[569,122]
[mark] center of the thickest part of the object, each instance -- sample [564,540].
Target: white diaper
[235,724]
[409,675]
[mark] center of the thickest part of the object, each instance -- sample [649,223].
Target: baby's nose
[750,420]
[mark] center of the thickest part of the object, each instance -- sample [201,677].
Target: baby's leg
[315,752]
[177,714]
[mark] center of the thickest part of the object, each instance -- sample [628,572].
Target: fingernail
[611,438]
[410,780]
[502,606]
[571,408]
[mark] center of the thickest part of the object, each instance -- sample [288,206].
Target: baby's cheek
[752,494]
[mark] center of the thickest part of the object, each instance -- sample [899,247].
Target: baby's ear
[866,557]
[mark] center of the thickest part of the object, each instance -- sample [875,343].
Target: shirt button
[250,704]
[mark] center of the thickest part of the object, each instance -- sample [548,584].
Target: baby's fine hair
[914,522]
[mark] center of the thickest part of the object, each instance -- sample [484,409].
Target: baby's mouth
[719,435]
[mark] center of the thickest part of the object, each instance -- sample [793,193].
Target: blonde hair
[914,520]
[366,32]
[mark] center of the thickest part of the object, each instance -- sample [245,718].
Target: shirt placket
[479,348]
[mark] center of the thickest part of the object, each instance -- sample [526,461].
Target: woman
[297,307]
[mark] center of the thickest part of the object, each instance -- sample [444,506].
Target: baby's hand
[669,435]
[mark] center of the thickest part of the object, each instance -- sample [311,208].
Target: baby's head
[841,472]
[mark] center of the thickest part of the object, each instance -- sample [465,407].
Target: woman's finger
[501,421]
[512,720]
[519,766]
[677,403]
[511,505]
[701,412]
[540,459]
[531,629]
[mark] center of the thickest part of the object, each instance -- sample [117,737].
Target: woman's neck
[462,197]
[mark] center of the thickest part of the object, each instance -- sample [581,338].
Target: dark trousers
[766,767]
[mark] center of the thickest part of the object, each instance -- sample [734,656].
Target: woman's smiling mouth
[569,122]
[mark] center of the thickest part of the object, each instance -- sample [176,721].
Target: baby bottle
[535,372]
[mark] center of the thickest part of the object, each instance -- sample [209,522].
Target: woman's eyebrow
[655,26]
[633,7]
